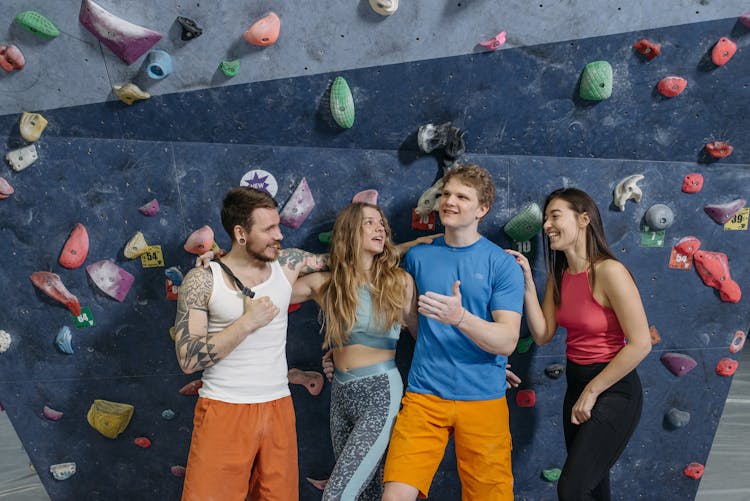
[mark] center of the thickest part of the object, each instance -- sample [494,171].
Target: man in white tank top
[244,439]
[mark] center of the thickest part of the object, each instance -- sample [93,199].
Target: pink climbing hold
[722,213]
[76,248]
[723,51]
[6,189]
[11,58]
[127,40]
[692,183]
[367,197]
[111,279]
[726,367]
[526,398]
[149,209]
[678,364]
[312,380]
[264,31]
[51,284]
[694,471]
[671,86]
[713,268]
[687,246]
[192,387]
[318,484]
[200,241]
[495,42]
[738,341]
[299,206]
[52,414]
[177,470]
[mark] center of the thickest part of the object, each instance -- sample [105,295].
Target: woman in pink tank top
[594,297]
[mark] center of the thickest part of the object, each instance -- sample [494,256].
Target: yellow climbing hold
[109,418]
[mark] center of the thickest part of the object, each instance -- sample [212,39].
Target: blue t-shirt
[446,362]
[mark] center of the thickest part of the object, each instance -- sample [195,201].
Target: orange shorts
[241,448]
[481,434]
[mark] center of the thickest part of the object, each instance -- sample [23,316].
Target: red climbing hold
[692,183]
[723,51]
[719,149]
[142,442]
[688,246]
[76,248]
[693,470]
[495,42]
[678,364]
[294,307]
[647,48]
[671,86]
[51,284]
[177,470]
[738,341]
[526,398]
[192,387]
[726,367]
[713,267]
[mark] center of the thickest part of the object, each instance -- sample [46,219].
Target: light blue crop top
[366,330]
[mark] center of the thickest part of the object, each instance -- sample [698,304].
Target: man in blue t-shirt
[470,304]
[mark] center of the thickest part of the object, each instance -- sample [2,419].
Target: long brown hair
[597,248]
[340,295]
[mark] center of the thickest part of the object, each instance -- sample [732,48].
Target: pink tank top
[594,333]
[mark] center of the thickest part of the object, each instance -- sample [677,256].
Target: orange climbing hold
[264,31]
[671,86]
[723,51]
[312,380]
[738,341]
[726,367]
[694,471]
[192,387]
[647,48]
[719,149]
[655,337]
[76,248]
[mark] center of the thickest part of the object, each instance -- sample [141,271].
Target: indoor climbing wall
[532,109]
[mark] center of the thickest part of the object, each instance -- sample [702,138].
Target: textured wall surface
[200,133]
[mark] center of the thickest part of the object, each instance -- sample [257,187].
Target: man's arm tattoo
[195,350]
[302,261]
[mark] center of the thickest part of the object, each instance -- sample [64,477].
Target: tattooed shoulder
[291,258]
[195,290]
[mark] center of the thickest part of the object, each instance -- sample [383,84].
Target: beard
[261,256]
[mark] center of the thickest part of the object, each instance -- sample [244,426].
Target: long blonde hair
[340,295]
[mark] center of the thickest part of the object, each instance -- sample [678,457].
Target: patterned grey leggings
[364,404]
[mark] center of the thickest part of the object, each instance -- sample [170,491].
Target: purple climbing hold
[127,40]
[745,19]
[298,207]
[721,213]
[150,209]
[678,364]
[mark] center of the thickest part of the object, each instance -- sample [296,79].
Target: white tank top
[256,370]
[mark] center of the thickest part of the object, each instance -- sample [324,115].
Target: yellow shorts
[241,448]
[481,434]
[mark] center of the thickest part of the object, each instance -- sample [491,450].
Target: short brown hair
[478,178]
[239,204]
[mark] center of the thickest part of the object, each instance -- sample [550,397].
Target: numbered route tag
[650,238]
[152,257]
[422,223]
[85,319]
[739,220]
[527,248]
[680,261]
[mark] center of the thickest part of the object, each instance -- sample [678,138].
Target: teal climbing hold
[325,237]
[342,103]
[37,24]
[551,474]
[524,344]
[596,81]
[230,68]
[524,225]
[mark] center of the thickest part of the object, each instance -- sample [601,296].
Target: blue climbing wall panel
[523,121]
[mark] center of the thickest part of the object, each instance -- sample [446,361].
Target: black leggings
[595,446]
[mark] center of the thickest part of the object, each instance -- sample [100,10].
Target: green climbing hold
[551,475]
[524,344]
[37,24]
[230,68]
[342,103]
[596,81]
[524,225]
[325,237]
